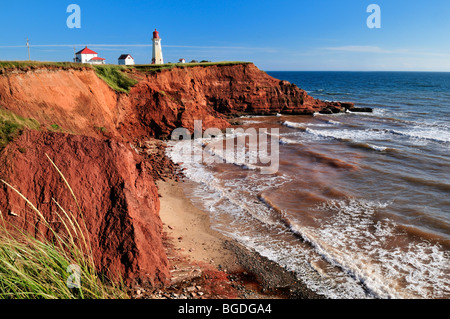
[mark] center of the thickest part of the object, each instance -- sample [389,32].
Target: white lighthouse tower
[157,49]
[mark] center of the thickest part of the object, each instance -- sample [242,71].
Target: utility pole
[28,46]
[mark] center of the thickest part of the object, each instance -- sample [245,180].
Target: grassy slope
[11,124]
[115,77]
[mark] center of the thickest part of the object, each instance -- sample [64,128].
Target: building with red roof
[88,56]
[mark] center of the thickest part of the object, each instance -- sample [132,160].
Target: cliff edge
[77,101]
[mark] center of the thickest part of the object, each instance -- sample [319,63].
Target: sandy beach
[202,267]
[207,265]
[190,231]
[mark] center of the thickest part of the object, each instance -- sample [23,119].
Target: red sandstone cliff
[113,184]
[81,103]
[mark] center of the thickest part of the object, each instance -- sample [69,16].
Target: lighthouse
[157,49]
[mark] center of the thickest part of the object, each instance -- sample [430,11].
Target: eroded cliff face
[79,102]
[237,89]
[75,100]
[176,98]
[113,186]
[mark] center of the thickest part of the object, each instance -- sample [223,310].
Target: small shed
[126,59]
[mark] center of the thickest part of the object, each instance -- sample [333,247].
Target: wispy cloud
[243,48]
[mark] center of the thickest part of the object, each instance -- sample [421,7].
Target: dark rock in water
[336,110]
[326,111]
[347,105]
[361,109]
[303,112]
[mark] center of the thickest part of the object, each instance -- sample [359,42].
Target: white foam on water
[346,134]
[355,241]
[376,112]
[249,122]
[196,171]
[334,122]
[304,126]
[377,148]
[284,140]
[434,134]
[287,141]
[294,125]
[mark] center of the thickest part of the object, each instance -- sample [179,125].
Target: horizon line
[424,71]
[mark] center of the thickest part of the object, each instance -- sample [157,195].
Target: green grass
[8,130]
[30,65]
[101,129]
[154,68]
[12,124]
[115,77]
[30,123]
[55,127]
[32,268]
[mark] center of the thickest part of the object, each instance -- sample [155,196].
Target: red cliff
[95,126]
[81,103]
[113,186]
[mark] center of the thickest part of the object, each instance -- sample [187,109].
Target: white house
[88,56]
[126,59]
[182,60]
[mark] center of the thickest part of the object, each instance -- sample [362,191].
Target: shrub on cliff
[115,77]
[8,130]
[11,124]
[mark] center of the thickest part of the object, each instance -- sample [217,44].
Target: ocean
[360,205]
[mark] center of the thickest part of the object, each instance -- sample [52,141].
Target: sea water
[360,205]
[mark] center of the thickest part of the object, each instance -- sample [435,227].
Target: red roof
[86,51]
[97,59]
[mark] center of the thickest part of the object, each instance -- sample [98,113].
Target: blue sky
[275,35]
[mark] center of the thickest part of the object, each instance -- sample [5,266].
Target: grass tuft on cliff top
[115,77]
[31,65]
[154,68]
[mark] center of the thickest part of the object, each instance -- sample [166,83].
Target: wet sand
[194,248]
[189,227]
